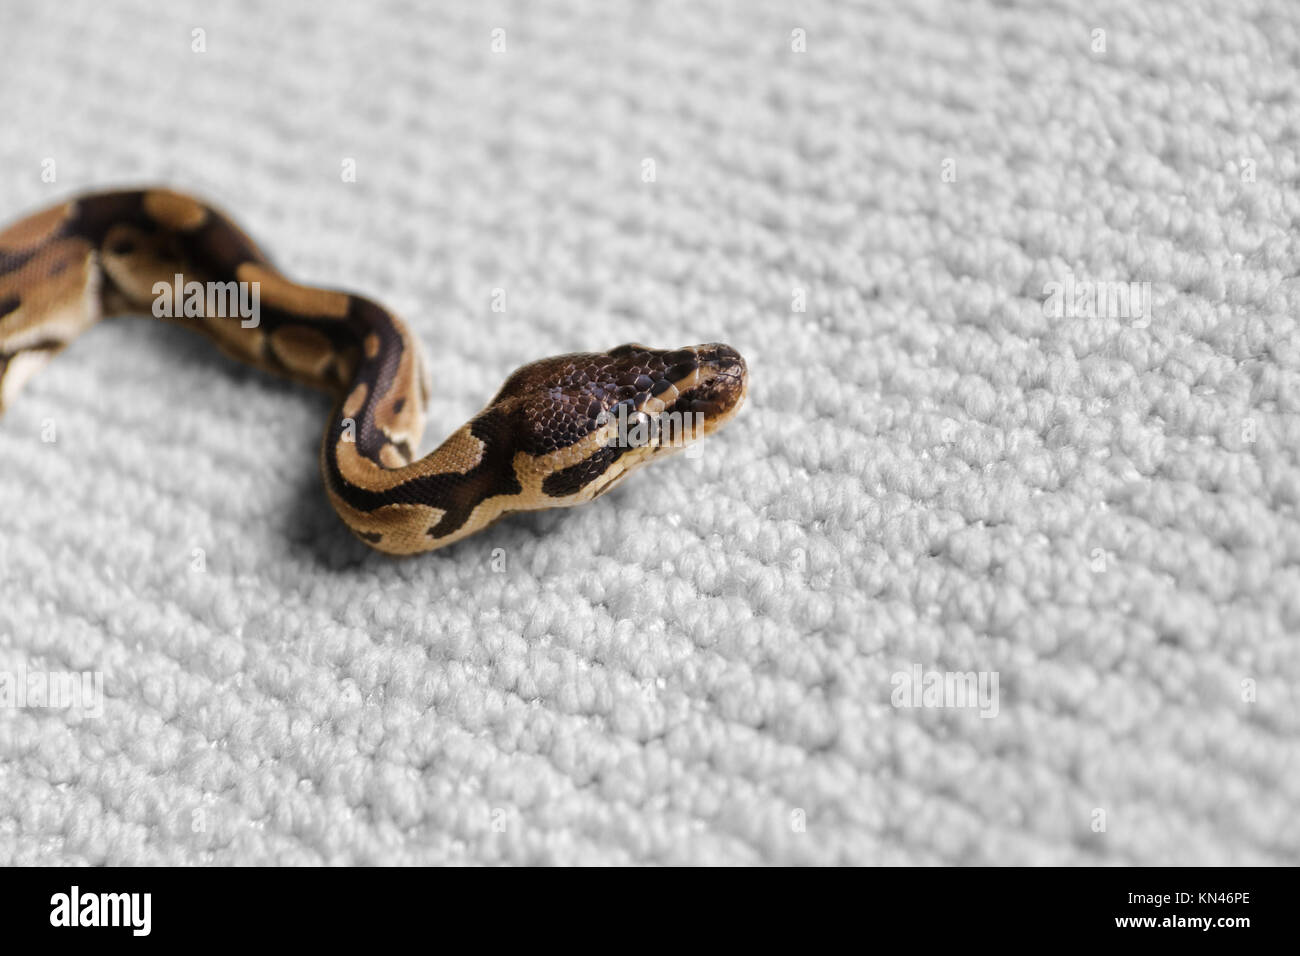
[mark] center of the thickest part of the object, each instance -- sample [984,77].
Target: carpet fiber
[1015,282]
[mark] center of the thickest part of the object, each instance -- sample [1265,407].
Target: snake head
[703,386]
[587,420]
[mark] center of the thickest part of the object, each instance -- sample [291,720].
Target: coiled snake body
[555,435]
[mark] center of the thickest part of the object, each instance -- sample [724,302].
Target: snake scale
[556,434]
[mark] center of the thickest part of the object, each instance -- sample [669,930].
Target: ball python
[555,435]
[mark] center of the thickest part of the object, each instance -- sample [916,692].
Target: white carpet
[937,469]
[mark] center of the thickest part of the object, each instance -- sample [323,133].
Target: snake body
[555,435]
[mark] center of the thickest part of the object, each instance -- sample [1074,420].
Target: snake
[561,431]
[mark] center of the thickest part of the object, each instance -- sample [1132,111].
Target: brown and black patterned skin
[550,438]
